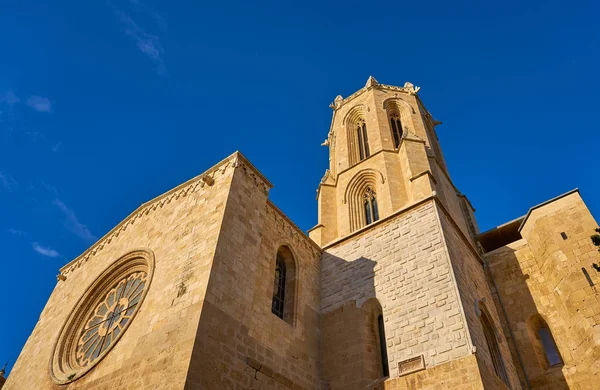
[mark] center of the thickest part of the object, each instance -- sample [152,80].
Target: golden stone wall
[240,343]
[467,373]
[181,227]
[411,266]
[475,293]
[540,275]
[400,176]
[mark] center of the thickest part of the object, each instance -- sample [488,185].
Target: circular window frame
[64,368]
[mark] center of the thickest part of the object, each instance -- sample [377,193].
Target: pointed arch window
[543,342]
[383,346]
[363,141]
[552,355]
[396,126]
[370,206]
[492,344]
[284,286]
[279,288]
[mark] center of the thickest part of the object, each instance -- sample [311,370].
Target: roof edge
[545,203]
[115,230]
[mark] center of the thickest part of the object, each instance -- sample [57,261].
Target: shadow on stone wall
[353,354]
[525,321]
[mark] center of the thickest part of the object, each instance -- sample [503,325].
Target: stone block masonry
[181,228]
[403,263]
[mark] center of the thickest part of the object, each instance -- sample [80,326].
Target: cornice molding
[240,161]
[295,234]
[409,88]
[426,172]
[207,178]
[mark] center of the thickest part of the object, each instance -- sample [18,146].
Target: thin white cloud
[44,250]
[57,146]
[9,98]
[72,224]
[17,232]
[147,43]
[142,7]
[8,182]
[40,103]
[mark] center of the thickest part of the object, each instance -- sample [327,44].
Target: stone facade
[540,278]
[394,289]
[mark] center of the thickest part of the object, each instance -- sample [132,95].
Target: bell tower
[384,155]
[400,267]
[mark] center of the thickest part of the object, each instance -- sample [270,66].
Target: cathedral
[211,286]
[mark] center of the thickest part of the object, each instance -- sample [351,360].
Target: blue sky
[104,105]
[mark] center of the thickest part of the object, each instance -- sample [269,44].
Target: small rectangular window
[563,235]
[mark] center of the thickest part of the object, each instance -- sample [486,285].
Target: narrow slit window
[396,126]
[361,151]
[383,347]
[368,215]
[363,141]
[375,211]
[364,130]
[549,347]
[492,343]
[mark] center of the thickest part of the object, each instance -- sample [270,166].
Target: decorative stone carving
[410,88]
[337,102]
[184,189]
[371,82]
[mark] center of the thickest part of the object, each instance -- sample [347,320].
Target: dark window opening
[396,129]
[370,205]
[563,235]
[549,347]
[383,346]
[363,142]
[492,343]
[279,289]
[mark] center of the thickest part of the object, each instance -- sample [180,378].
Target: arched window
[370,206]
[363,142]
[543,342]
[370,341]
[284,287]
[396,126]
[383,346]
[492,343]
[547,340]
[279,288]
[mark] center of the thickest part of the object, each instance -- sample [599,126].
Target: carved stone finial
[336,102]
[325,143]
[371,82]
[410,88]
